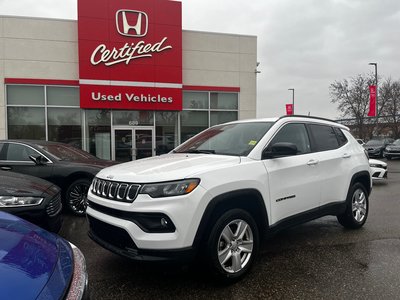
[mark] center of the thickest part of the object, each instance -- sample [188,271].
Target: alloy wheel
[235,246]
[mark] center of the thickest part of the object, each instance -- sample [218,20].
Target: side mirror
[38,160]
[281,149]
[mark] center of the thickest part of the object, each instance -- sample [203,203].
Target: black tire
[388,157]
[76,196]
[234,235]
[357,207]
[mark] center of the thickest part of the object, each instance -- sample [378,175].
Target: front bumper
[379,173]
[47,215]
[115,225]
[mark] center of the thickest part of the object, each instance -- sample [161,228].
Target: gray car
[392,150]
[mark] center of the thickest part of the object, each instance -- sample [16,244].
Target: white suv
[223,189]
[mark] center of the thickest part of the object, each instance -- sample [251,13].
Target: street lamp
[376,73]
[292,99]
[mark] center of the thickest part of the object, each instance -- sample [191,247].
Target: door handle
[313,162]
[6,168]
[346,155]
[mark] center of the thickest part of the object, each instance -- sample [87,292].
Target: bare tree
[390,94]
[352,98]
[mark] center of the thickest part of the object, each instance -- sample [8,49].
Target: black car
[32,199]
[66,166]
[392,150]
[375,147]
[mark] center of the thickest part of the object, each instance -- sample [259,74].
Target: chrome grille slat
[112,190]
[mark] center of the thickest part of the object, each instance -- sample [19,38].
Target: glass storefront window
[195,100]
[62,96]
[224,101]
[98,132]
[26,123]
[133,118]
[192,122]
[219,117]
[25,95]
[166,131]
[65,125]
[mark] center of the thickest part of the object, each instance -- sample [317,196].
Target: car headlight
[375,166]
[12,201]
[171,188]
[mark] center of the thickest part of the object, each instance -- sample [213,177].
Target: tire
[388,157]
[357,207]
[76,196]
[232,245]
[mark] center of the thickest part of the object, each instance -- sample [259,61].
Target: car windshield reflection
[66,152]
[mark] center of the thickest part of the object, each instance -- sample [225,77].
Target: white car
[378,169]
[216,195]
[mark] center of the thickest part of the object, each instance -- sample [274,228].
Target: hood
[15,184]
[167,167]
[29,256]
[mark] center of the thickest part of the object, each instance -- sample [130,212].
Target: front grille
[54,206]
[110,234]
[112,190]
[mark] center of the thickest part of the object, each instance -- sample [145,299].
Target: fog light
[164,222]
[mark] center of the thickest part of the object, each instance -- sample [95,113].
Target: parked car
[216,195]
[36,264]
[375,147]
[32,199]
[64,165]
[379,169]
[392,150]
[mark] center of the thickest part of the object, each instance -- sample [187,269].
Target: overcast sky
[302,44]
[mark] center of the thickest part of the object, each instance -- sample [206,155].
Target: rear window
[324,137]
[340,136]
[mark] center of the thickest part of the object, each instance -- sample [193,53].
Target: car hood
[167,167]
[31,259]
[15,184]
[100,163]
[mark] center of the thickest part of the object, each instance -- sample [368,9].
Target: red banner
[289,109]
[372,101]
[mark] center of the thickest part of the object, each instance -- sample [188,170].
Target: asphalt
[316,260]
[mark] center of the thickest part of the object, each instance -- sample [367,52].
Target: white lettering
[147,98]
[127,52]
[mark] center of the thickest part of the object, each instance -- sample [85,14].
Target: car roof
[294,117]
[32,142]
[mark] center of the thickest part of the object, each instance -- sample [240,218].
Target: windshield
[66,152]
[230,139]
[397,142]
[375,143]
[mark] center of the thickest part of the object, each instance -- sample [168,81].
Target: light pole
[292,99]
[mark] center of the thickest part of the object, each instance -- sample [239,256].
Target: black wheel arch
[364,178]
[250,200]
[76,176]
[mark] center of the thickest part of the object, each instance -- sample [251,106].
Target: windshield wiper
[198,151]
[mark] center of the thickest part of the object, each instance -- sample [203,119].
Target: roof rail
[309,117]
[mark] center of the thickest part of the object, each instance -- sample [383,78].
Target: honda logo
[131,22]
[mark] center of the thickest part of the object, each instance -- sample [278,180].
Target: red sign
[289,109]
[372,101]
[130,54]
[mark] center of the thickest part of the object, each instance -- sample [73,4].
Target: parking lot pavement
[317,260]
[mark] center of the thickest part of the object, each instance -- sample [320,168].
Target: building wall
[48,49]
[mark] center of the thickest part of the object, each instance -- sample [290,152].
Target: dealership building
[123,78]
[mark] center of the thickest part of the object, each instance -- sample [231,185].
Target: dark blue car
[37,264]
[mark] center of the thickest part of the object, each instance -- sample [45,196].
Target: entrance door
[132,143]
